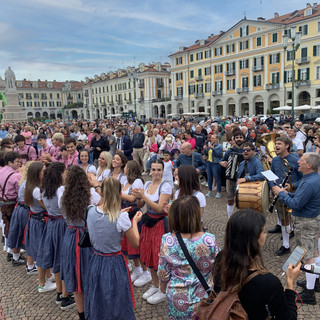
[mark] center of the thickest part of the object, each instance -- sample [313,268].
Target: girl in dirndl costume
[109,293]
[74,260]
[154,225]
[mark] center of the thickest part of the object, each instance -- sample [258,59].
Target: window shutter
[240,45]
[176,76]
[247,44]
[227,67]
[314,51]
[221,85]
[305,29]
[234,65]
[299,74]
[300,28]
[233,47]
[215,86]
[240,32]
[304,52]
[215,69]
[308,73]
[215,51]
[228,85]
[227,48]
[255,81]
[233,83]
[262,61]
[270,59]
[285,77]
[247,30]
[278,57]
[278,76]
[255,62]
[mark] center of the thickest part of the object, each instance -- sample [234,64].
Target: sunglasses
[246,150]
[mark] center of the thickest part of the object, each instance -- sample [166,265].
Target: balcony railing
[230,73]
[216,93]
[272,86]
[242,90]
[302,83]
[199,95]
[178,97]
[257,68]
[303,60]
[199,78]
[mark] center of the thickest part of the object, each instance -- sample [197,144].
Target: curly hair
[52,179]
[76,196]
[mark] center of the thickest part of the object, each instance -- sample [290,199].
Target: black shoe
[291,235]
[59,298]
[276,229]
[9,257]
[303,283]
[282,251]
[2,240]
[308,296]
[19,262]
[67,303]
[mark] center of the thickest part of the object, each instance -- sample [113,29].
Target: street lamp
[295,38]
[133,76]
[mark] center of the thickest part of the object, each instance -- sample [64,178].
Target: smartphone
[295,257]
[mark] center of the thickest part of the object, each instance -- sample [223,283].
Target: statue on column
[10,79]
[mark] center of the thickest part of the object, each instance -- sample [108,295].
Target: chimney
[276,15]
[261,19]
[308,5]
[314,4]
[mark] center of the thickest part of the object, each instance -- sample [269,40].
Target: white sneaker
[5,248]
[143,279]
[151,291]
[137,272]
[22,250]
[51,279]
[214,189]
[157,297]
[129,266]
[49,286]
[144,173]
[204,183]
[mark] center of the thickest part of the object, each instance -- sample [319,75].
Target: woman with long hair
[19,220]
[36,223]
[52,238]
[177,279]
[132,170]
[109,290]
[86,163]
[77,196]
[119,161]
[103,171]
[154,226]
[241,256]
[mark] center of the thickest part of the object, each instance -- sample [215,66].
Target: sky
[73,39]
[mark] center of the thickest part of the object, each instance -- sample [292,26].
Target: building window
[303,74]
[230,48]
[244,45]
[257,80]
[178,60]
[316,50]
[318,72]
[259,42]
[245,82]
[207,54]
[191,89]
[319,26]
[218,86]
[200,88]
[274,58]
[58,95]
[191,74]
[207,71]
[274,77]
[179,76]
[36,95]
[179,91]
[218,51]
[308,12]
[231,84]
[231,66]
[288,76]
[289,55]
[199,55]
[191,57]
[218,68]
[207,87]
[244,31]
[304,30]
[274,37]
[44,103]
[244,64]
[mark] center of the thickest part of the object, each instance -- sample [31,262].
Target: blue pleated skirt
[49,252]
[19,220]
[74,278]
[34,233]
[108,295]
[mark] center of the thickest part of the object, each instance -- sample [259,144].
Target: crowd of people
[61,182]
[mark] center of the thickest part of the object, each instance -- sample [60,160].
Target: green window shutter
[278,76]
[234,65]
[233,83]
[240,32]
[215,51]
[227,67]
[255,62]
[215,86]
[227,85]
[270,59]
[285,77]
[240,45]
[305,29]
[308,73]
[255,81]
[299,74]
[233,47]
[278,57]
[300,28]
[314,51]
[304,52]
[221,85]
[227,49]
[262,60]
[247,44]
[215,69]
[176,76]
[288,55]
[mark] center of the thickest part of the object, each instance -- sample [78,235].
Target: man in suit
[123,143]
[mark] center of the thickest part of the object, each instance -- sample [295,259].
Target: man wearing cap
[98,144]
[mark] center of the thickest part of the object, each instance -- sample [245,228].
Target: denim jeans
[148,166]
[214,170]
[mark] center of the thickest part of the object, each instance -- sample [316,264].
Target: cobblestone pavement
[19,298]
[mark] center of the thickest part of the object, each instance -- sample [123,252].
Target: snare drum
[253,195]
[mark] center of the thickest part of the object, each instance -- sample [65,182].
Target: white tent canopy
[283,108]
[304,107]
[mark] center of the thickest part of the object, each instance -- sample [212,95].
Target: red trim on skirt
[26,227]
[78,265]
[150,242]
[126,248]
[119,253]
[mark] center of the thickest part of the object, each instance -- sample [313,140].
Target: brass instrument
[268,140]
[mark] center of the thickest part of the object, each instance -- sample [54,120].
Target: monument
[12,112]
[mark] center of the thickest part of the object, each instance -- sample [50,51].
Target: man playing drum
[280,166]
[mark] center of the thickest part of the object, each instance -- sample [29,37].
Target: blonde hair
[58,136]
[107,156]
[25,171]
[111,198]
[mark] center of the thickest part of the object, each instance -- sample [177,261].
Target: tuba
[268,140]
